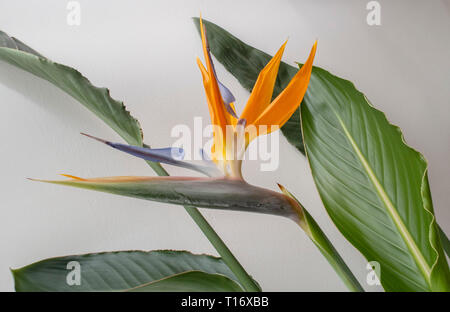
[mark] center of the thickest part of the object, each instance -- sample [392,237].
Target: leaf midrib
[404,233]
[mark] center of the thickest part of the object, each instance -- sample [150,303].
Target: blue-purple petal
[227,96]
[204,155]
[170,155]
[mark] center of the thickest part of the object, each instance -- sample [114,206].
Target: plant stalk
[327,249]
[230,260]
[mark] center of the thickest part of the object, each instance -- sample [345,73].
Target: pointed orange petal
[232,120]
[72,177]
[219,116]
[214,92]
[219,126]
[209,96]
[282,108]
[262,91]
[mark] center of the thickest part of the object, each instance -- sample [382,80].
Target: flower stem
[230,260]
[330,253]
[326,248]
[227,256]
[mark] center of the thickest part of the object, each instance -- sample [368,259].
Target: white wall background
[144,51]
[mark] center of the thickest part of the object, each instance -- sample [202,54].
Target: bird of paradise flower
[224,187]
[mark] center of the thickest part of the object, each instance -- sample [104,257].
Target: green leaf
[373,185]
[121,270]
[318,237]
[245,62]
[444,240]
[97,100]
[193,281]
[14,43]
[216,193]
[402,235]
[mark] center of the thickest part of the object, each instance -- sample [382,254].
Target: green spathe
[215,193]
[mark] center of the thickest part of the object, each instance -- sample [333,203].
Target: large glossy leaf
[401,236]
[97,100]
[116,271]
[193,281]
[216,193]
[445,241]
[373,185]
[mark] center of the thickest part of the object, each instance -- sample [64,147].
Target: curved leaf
[97,100]
[14,43]
[216,193]
[193,281]
[445,241]
[373,185]
[114,271]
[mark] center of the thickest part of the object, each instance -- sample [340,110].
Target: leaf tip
[35,180]
[283,189]
[93,137]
